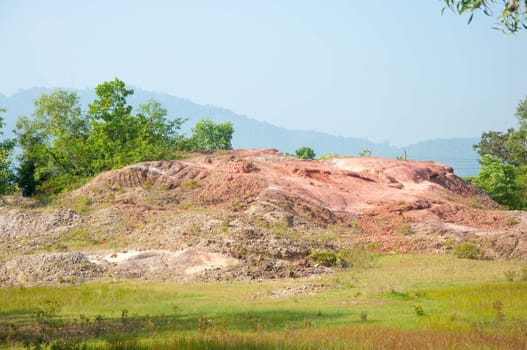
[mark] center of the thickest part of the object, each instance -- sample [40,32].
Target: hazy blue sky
[395,71]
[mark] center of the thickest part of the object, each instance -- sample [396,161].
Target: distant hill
[251,133]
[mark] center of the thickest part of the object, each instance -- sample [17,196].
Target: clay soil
[248,214]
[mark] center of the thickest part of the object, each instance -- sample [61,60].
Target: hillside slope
[249,214]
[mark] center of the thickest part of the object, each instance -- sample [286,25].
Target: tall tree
[209,136]
[499,181]
[52,142]
[119,137]
[61,145]
[6,151]
[504,162]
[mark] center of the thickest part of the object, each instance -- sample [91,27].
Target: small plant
[325,258]
[512,220]
[510,275]
[189,185]
[468,251]
[124,316]
[364,316]
[523,274]
[203,323]
[82,205]
[498,309]
[419,311]
[420,293]
[307,323]
[405,230]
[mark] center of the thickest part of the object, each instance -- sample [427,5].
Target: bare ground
[248,215]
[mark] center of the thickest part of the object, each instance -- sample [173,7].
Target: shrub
[468,251]
[305,153]
[325,258]
[358,256]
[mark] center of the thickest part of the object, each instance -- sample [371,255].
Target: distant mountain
[250,133]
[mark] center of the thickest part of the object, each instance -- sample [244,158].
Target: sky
[397,72]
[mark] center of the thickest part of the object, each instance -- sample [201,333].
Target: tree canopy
[209,136]
[62,145]
[305,153]
[511,14]
[503,174]
[6,151]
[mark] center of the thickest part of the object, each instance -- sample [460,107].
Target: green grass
[457,296]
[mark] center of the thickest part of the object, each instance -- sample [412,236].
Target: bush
[305,153]
[468,251]
[325,258]
[357,257]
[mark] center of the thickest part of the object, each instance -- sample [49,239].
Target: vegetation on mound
[62,145]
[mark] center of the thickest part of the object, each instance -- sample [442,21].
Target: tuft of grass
[468,251]
[405,230]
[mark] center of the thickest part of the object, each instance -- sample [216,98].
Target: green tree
[61,145]
[505,182]
[511,14]
[496,144]
[118,137]
[6,151]
[53,142]
[305,153]
[499,181]
[366,153]
[509,146]
[112,126]
[209,136]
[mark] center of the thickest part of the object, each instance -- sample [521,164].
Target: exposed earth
[248,214]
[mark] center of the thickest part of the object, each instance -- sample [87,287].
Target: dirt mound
[250,214]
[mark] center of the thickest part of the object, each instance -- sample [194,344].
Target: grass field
[402,301]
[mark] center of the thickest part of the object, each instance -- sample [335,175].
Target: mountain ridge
[251,133]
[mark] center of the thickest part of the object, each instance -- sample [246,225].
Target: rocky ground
[251,214]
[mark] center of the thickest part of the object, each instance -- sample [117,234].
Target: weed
[498,309]
[510,275]
[364,316]
[358,257]
[46,311]
[82,205]
[307,323]
[468,251]
[203,323]
[225,225]
[523,273]
[405,230]
[124,316]
[420,293]
[280,227]
[399,295]
[512,220]
[419,311]
[189,185]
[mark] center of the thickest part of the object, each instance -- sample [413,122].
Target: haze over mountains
[251,133]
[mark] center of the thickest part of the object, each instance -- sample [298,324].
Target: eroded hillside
[249,214]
